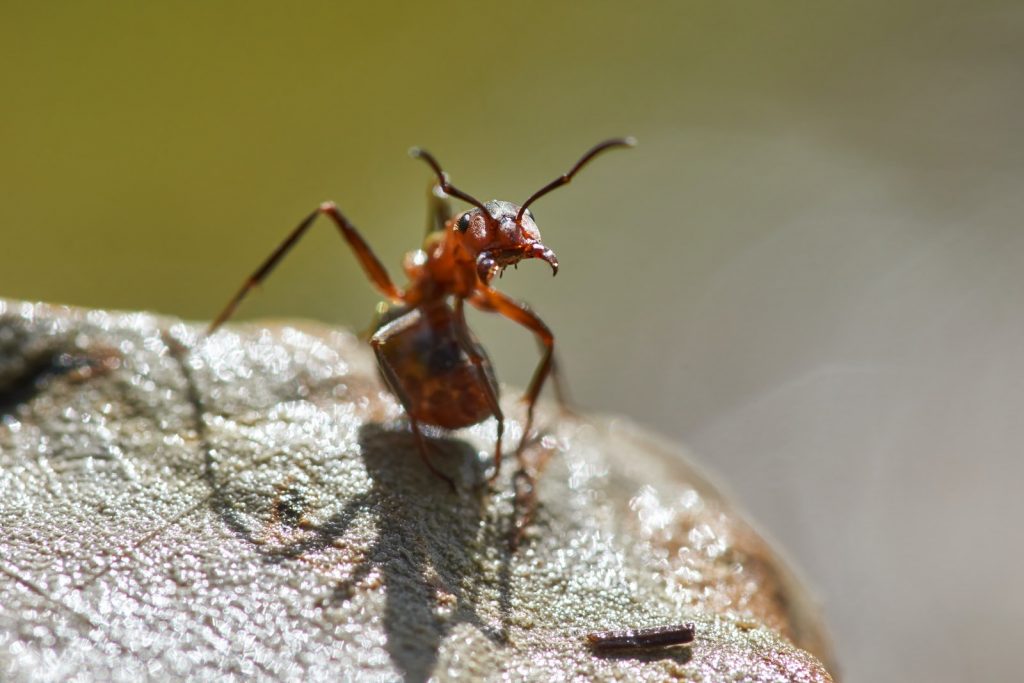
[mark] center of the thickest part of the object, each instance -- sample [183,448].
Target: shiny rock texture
[252,506]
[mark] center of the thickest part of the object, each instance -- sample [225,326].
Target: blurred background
[809,271]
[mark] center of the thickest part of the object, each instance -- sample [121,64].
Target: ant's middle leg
[371,264]
[377,342]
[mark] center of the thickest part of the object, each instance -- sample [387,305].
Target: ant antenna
[448,188]
[566,177]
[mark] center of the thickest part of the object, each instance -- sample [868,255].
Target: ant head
[500,234]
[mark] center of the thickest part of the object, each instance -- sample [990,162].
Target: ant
[429,358]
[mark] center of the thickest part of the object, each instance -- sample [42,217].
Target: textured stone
[252,505]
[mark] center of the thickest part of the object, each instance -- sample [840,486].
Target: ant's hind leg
[479,360]
[421,445]
[377,342]
[371,264]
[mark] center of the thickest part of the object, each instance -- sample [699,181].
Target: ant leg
[371,264]
[439,209]
[480,362]
[421,445]
[558,383]
[377,341]
[493,300]
[524,482]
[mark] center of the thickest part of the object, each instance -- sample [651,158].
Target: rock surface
[252,505]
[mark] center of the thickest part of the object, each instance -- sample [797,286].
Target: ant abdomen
[432,365]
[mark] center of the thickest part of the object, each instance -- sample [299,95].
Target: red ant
[427,355]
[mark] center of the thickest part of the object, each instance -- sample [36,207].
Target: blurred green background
[809,270]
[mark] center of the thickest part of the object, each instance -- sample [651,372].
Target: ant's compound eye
[464,223]
[530,214]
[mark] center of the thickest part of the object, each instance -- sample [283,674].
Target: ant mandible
[429,358]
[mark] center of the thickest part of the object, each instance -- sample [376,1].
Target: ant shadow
[429,542]
[425,551]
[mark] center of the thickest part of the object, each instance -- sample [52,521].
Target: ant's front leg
[439,209]
[558,384]
[371,264]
